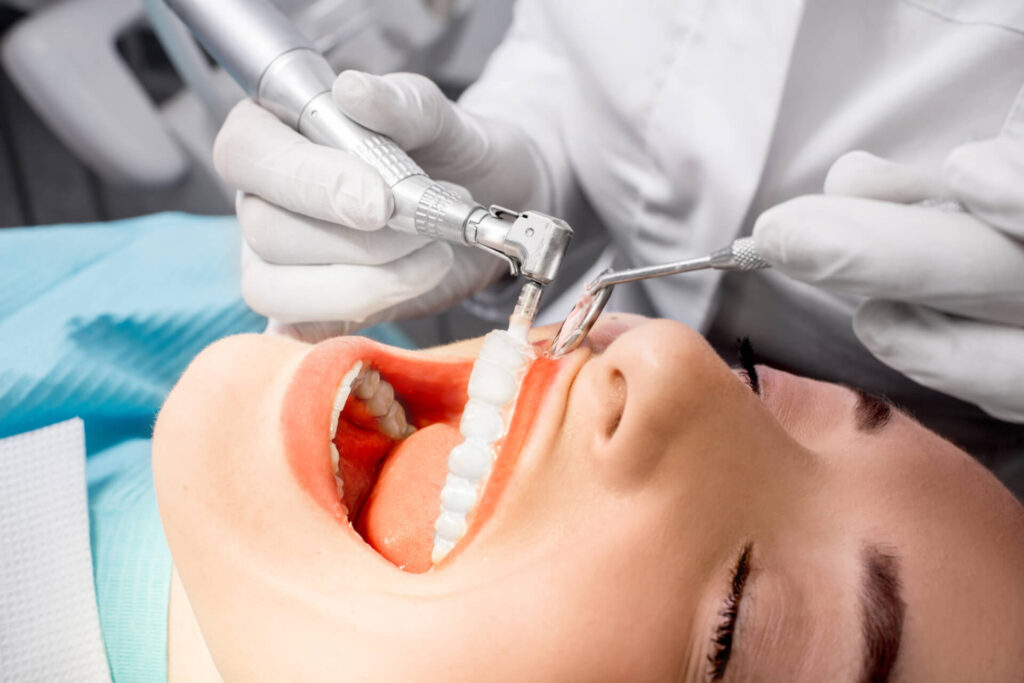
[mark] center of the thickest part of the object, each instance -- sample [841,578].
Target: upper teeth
[492,386]
[379,398]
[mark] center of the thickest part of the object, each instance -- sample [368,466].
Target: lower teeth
[378,396]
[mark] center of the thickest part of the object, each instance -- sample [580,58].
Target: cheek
[617,558]
[816,414]
[216,446]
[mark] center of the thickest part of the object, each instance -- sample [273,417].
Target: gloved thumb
[862,174]
[408,108]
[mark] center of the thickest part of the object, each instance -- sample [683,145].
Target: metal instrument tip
[580,320]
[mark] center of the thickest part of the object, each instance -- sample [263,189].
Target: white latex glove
[946,289]
[318,258]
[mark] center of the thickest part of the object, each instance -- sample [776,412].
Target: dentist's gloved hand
[318,258]
[946,289]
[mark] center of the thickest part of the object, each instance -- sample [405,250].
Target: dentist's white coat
[682,121]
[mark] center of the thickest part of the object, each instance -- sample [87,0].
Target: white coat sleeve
[525,84]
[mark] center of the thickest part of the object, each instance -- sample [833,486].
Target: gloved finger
[862,174]
[311,333]
[315,332]
[259,155]
[987,176]
[412,111]
[974,361]
[946,260]
[282,237]
[472,271]
[294,294]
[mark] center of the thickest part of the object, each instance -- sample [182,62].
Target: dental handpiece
[279,68]
[740,255]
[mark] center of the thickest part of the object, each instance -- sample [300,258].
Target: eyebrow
[883,611]
[872,413]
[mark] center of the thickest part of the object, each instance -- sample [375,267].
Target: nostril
[616,403]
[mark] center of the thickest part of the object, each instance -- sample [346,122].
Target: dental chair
[64,59]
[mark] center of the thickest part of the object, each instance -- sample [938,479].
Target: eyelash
[722,641]
[748,364]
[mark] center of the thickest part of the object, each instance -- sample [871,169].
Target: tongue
[398,518]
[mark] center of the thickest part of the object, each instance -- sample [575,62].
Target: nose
[666,360]
[661,384]
[610,327]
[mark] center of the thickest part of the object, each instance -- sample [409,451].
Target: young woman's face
[662,521]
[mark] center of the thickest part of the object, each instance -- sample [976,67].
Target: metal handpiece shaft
[279,68]
[273,62]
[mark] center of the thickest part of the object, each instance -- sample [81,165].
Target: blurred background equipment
[108,108]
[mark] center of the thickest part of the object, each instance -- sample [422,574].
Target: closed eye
[748,365]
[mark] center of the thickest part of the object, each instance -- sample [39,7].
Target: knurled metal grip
[745,256]
[432,212]
[389,159]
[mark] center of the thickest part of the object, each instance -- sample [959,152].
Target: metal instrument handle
[279,68]
[282,71]
[740,255]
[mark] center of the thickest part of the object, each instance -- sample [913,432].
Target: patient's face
[659,521]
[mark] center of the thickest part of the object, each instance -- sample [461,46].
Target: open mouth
[368,431]
[389,458]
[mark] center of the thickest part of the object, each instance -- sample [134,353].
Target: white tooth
[381,401]
[491,383]
[335,458]
[481,421]
[339,484]
[458,494]
[503,350]
[341,396]
[393,424]
[450,526]
[441,549]
[367,386]
[470,459]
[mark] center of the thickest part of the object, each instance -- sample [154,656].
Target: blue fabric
[99,321]
[131,561]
